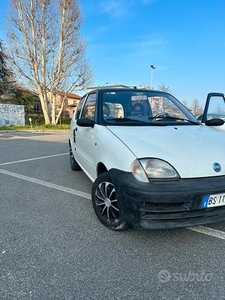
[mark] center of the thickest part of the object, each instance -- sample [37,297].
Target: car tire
[105,203]
[73,164]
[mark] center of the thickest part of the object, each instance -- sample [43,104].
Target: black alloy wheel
[105,203]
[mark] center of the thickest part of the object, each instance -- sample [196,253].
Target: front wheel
[105,203]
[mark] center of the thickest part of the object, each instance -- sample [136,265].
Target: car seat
[106,110]
[138,110]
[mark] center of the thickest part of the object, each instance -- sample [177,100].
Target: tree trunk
[47,50]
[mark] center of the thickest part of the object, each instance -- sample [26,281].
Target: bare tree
[164,88]
[47,51]
[196,107]
[7,82]
[185,103]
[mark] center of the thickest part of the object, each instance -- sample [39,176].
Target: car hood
[191,150]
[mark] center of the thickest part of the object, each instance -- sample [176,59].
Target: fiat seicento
[152,163]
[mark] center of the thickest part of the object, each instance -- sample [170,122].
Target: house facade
[70,103]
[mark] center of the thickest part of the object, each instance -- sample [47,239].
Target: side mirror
[214,122]
[85,122]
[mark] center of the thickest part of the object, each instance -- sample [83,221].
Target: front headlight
[153,168]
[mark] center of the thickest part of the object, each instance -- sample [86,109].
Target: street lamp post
[152,68]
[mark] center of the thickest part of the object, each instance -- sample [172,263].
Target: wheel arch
[101,168]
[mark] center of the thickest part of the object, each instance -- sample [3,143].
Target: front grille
[178,212]
[164,207]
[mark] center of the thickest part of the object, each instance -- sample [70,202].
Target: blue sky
[184,40]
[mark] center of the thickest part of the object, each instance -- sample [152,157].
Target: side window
[79,108]
[89,107]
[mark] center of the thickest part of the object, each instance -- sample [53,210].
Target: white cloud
[122,8]
[114,8]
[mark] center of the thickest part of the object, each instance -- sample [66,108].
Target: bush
[36,120]
[65,120]
[38,128]
[39,120]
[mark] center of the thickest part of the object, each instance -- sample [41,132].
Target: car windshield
[143,107]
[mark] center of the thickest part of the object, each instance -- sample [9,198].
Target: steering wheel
[160,115]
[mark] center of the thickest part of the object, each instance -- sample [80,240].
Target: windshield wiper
[166,116]
[141,122]
[125,120]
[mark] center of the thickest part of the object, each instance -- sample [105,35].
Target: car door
[82,136]
[214,110]
[73,125]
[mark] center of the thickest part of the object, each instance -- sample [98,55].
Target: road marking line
[31,159]
[47,184]
[200,229]
[208,231]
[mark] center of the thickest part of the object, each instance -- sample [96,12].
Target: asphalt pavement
[52,246]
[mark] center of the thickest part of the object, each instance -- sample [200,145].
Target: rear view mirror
[85,122]
[214,122]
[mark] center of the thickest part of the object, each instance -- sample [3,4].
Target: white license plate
[213,200]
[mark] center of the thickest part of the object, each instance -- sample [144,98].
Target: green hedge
[36,120]
[39,120]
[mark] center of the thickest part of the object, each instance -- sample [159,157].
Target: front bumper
[167,204]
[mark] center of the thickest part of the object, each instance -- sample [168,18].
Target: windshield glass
[143,107]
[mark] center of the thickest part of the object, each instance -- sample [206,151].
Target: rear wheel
[73,164]
[105,203]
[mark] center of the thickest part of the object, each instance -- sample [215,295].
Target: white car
[152,163]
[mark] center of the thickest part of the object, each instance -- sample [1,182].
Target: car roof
[129,89]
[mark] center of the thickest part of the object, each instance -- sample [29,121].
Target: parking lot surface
[53,247]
